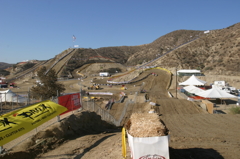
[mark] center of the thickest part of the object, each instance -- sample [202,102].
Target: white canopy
[193,81]
[215,93]
[9,96]
[193,89]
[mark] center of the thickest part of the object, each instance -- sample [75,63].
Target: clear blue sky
[41,29]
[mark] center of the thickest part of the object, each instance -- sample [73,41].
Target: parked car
[228,90]
[238,90]
[235,92]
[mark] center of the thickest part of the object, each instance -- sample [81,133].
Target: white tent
[193,81]
[215,93]
[193,89]
[9,96]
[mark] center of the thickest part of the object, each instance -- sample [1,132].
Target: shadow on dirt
[70,128]
[194,153]
[72,155]
[91,147]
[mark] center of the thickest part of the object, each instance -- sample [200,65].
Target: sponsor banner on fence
[19,122]
[70,101]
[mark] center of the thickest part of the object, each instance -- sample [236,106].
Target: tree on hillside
[48,86]
[4,72]
[27,66]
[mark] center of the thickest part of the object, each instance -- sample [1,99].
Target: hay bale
[146,125]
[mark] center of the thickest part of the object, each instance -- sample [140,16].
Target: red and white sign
[70,101]
[149,147]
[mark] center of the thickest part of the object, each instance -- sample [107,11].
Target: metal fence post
[58,118]
[1,102]
[1,149]
[5,98]
[12,103]
[28,100]
[88,105]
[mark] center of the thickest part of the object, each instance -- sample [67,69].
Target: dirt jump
[194,134]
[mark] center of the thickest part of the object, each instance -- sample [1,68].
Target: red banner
[70,101]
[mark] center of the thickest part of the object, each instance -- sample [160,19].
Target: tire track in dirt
[204,131]
[193,132]
[116,110]
[191,128]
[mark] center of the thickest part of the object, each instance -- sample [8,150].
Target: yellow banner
[19,122]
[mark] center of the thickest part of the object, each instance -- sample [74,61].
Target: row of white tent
[214,92]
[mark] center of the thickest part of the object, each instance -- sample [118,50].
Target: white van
[104,74]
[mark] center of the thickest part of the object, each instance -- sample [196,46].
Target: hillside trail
[133,73]
[193,132]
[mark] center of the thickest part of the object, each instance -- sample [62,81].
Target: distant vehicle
[12,85]
[228,90]
[104,74]
[235,92]
[231,90]
[238,91]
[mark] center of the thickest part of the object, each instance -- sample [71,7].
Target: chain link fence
[92,106]
[10,101]
[86,105]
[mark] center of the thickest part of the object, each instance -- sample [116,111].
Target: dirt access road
[194,134]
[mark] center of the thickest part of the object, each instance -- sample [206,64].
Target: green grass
[235,110]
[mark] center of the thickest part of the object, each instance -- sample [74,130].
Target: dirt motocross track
[194,134]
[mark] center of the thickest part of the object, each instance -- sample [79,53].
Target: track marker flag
[19,122]
[74,38]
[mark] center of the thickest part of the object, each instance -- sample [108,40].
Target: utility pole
[176,82]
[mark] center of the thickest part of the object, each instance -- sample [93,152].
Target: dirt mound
[146,125]
[74,126]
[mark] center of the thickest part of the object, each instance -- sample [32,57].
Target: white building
[189,72]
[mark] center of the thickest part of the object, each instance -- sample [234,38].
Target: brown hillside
[216,53]
[131,55]
[4,65]
[101,55]
[162,45]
